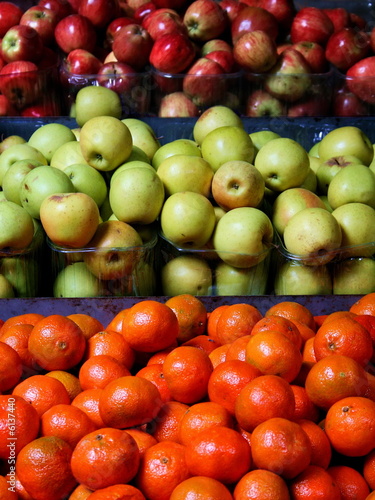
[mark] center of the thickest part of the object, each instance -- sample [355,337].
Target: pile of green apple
[106,192]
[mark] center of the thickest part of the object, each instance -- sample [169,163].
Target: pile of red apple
[178,57]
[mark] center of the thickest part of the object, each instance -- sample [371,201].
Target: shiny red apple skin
[346,47]
[143,11]
[61,8]
[172,53]
[99,12]
[82,62]
[10,15]
[314,106]
[41,110]
[232,8]
[311,24]
[224,58]
[132,45]
[19,82]
[314,54]
[114,27]
[361,79]
[203,82]
[345,103]
[21,43]
[214,45]
[339,16]
[43,20]
[117,76]
[283,10]
[255,51]
[251,19]
[161,23]
[75,32]
[205,20]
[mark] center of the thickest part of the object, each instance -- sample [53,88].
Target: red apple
[41,110]
[177,105]
[161,23]
[172,53]
[99,12]
[314,106]
[255,51]
[345,103]
[19,82]
[75,32]
[21,43]
[346,47]
[61,8]
[203,82]
[49,59]
[361,79]
[214,45]
[132,45]
[311,24]
[82,62]
[114,27]
[358,21]
[171,4]
[224,58]
[261,103]
[232,8]
[6,107]
[143,11]
[339,16]
[314,54]
[254,19]
[205,20]
[10,15]
[283,10]
[43,20]
[117,76]
[372,39]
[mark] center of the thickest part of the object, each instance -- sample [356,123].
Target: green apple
[75,280]
[219,212]
[347,140]
[186,173]
[2,196]
[188,219]
[14,176]
[314,150]
[136,195]
[88,180]
[41,182]
[243,236]
[113,251]
[144,279]
[311,181]
[353,184]
[50,137]
[11,140]
[138,154]
[186,274]
[231,280]
[175,147]
[6,289]
[130,164]
[313,235]
[354,276]
[18,152]
[357,222]
[105,208]
[16,226]
[329,168]
[214,117]
[227,143]
[69,219]
[314,163]
[283,163]
[96,100]
[324,199]
[143,136]
[106,142]
[261,137]
[22,273]
[237,184]
[67,154]
[294,278]
[76,131]
[291,201]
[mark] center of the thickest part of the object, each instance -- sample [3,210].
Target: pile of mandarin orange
[170,401]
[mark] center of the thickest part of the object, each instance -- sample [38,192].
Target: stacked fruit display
[259,57]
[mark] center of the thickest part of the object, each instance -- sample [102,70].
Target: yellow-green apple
[188,219]
[354,276]
[175,147]
[311,181]
[243,236]
[106,142]
[313,235]
[143,136]
[14,176]
[357,222]
[329,168]
[114,250]
[186,274]
[49,137]
[75,280]
[294,278]
[261,137]
[16,226]
[237,184]
[67,154]
[353,184]
[11,140]
[324,199]
[214,117]
[88,180]
[130,164]
[314,150]
[283,163]
[289,202]
[69,219]
[6,289]
[144,279]
[346,140]
[137,195]
[186,173]
[39,183]
[95,100]
[314,164]
[231,280]
[105,209]
[138,154]
[18,152]
[227,143]
[22,273]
